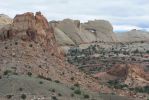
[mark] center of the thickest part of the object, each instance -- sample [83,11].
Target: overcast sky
[123,14]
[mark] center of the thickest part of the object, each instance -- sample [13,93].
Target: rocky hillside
[28,46]
[72,32]
[134,35]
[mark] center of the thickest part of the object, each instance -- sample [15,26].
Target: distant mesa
[134,35]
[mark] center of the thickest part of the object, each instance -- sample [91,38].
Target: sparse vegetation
[77,85]
[40,82]
[78,91]
[54,98]
[30,45]
[16,43]
[72,88]
[72,78]
[86,96]
[117,84]
[6,72]
[23,96]
[57,81]
[29,74]
[144,89]
[72,95]
[9,96]
[20,89]
[53,90]
[59,94]
[6,47]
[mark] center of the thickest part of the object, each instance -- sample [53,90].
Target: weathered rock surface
[79,33]
[134,35]
[4,19]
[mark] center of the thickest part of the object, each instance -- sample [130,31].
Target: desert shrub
[52,54]
[20,89]
[57,81]
[147,51]
[9,96]
[29,74]
[40,82]
[77,85]
[72,95]
[0,77]
[72,78]
[30,45]
[144,89]
[16,43]
[72,88]
[53,90]
[15,73]
[39,66]
[23,96]
[6,47]
[86,96]
[78,91]
[116,84]
[59,94]
[54,98]
[6,72]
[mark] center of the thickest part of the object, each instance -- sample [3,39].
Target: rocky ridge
[134,35]
[72,32]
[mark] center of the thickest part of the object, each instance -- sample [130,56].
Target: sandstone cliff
[73,32]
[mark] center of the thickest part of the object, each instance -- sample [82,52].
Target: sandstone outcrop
[28,26]
[133,74]
[4,20]
[75,32]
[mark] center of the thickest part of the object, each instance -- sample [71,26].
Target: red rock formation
[29,26]
[123,70]
[133,74]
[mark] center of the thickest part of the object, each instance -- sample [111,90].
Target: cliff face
[74,32]
[28,26]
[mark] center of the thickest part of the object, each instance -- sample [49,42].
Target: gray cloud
[121,13]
